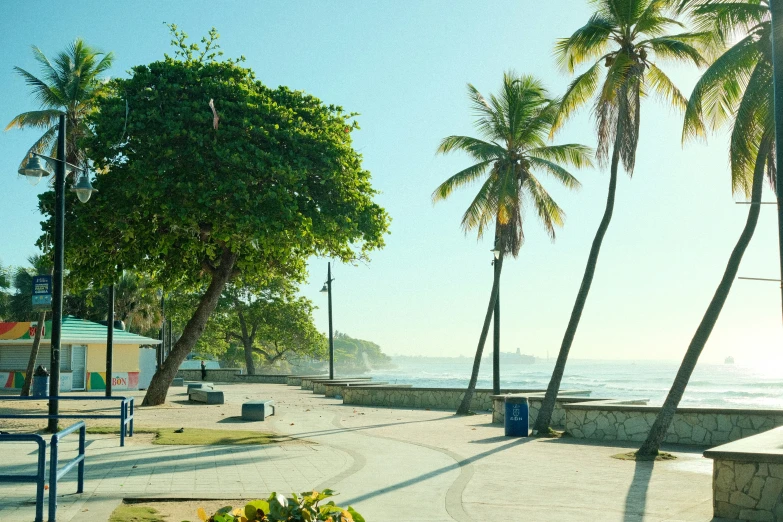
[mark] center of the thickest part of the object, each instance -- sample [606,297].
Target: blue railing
[39,478]
[56,474]
[126,411]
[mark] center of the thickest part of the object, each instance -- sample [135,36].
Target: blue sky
[404,68]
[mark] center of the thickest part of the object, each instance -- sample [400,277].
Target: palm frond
[579,92]
[565,177]
[462,178]
[586,43]
[569,153]
[665,88]
[35,119]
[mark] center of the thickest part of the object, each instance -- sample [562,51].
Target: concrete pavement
[390,464]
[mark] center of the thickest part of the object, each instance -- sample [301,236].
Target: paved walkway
[390,464]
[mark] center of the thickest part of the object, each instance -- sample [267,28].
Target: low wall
[630,421]
[319,387]
[296,380]
[432,398]
[747,477]
[230,375]
[534,404]
[336,390]
[308,383]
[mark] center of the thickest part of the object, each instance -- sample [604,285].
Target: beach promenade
[389,464]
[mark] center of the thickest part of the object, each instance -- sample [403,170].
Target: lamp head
[496,253]
[325,288]
[83,187]
[34,169]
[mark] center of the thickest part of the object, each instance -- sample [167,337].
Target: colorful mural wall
[120,381]
[20,331]
[13,380]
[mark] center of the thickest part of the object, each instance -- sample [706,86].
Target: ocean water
[727,385]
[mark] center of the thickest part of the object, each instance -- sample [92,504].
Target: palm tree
[71,83]
[736,88]
[514,126]
[628,39]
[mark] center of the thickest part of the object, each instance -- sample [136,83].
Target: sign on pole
[42,293]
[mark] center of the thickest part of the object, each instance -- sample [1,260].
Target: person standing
[203,371]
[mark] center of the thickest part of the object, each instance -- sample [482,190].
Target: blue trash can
[517,421]
[40,382]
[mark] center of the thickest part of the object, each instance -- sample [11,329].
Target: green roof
[80,331]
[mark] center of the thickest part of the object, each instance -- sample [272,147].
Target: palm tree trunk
[159,386]
[548,406]
[28,376]
[464,407]
[665,416]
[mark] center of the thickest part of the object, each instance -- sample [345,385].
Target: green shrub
[278,508]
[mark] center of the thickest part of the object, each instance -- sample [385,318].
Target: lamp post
[496,332]
[110,341]
[328,289]
[35,169]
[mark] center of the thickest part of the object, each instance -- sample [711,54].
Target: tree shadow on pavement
[636,498]
[434,473]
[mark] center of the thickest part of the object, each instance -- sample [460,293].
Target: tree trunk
[548,405]
[247,344]
[28,376]
[159,386]
[665,416]
[464,407]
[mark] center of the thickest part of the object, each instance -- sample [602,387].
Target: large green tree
[514,126]
[737,90]
[627,40]
[206,174]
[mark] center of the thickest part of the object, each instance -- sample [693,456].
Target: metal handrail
[126,414]
[55,474]
[39,478]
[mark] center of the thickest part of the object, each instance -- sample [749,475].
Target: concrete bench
[258,410]
[207,396]
[198,385]
[178,381]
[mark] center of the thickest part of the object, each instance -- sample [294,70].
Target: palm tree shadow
[636,498]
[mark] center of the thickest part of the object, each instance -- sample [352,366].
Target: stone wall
[433,398]
[747,490]
[624,420]
[296,380]
[230,375]
[319,387]
[534,404]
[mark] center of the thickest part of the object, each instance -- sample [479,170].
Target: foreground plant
[278,508]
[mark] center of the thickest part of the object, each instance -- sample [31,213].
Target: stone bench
[198,385]
[747,478]
[258,410]
[207,396]
[178,381]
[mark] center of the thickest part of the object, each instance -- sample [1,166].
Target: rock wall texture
[230,375]
[747,490]
[697,426]
[433,398]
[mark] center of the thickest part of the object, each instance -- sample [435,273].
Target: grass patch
[197,436]
[662,455]
[127,513]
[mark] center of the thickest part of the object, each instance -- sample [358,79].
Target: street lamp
[328,289]
[496,332]
[35,169]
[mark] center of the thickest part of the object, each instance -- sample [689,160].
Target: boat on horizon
[728,360]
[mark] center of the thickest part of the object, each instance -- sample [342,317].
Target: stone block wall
[433,398]
[618,420]
[534,404]
[747,490]
[230,375]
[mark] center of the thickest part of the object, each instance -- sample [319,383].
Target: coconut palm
[514,126]
[735,89]
[71,83]
[627,40]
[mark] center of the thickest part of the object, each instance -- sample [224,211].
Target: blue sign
[42,293]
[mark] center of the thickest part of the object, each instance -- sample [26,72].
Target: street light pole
[776,10]
[328,289]
[110,341]
[496,330]
[57,279]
